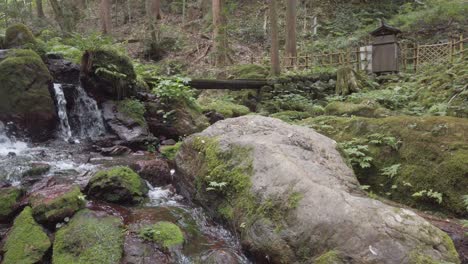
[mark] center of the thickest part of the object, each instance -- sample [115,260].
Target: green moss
[25,79]
[9,197]
[118,184]
[164,233]
[55,210]
[291,116]
[331,257]
[432,153]
[89,238]
[350,109]
[26,242]
[226,107]
[133,109]
[37,170]
[169,152]
[18,35]
[249,71]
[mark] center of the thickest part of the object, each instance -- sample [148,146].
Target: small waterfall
[65,130]
[88,115]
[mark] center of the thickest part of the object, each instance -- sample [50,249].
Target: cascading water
[88,115]
[65,131]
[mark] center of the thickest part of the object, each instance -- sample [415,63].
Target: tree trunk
[40,10]
[347,81]
[105,12]
[219,33]
[156,9]
[291,17]
[59,17]
[274,52]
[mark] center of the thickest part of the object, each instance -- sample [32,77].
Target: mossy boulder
[165,234]
[18,35]
[26,242]
[89,237]
[350,109]
[107,74]
[9,199]
[175,120]
[117,185]
[270,181]
[24,94]
[429,156]
[249,71]
[330,257]
[227,108]
[53,204]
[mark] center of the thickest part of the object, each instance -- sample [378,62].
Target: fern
[437,196]
[391,171]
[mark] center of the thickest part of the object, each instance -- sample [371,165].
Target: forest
[233,131]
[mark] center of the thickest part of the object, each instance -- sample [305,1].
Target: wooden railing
[411,56]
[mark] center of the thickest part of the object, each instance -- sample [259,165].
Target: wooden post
[416,55]
[461,46]
[358,58]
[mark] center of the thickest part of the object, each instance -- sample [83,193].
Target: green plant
[169,152]
[391,171]
[429,194]
[357,152]
[380,139]
[168,89]
[133,109]
[215,186]
[465,201]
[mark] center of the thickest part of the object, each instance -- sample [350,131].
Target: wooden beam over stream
[227,84]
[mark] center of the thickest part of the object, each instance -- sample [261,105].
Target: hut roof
[385,29]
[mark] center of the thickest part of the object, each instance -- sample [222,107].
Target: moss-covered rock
[53,204]
[90,237]
[9,199]
[18,35]
[225,107]
[24,93]
[37,169]
[164,233]
[26,242]
[291,116]
[175,120]
[330,257]
[249,71]
[117,185]
[108,74]
[350,109]
[134,109]
[429,156]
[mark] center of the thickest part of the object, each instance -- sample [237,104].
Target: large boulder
[90,237]
[18,35]
[291,196]
[24,93]
[53,204]
[107,74]
[117,185]
[26,242]
[155,171]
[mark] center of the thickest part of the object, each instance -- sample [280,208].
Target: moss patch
[56,209]
[26,242]
[9,197]
[118,184]
[133,109]
[18,35]
[331,257]
[89,238]
[164,233]
[226,107]
[249,71]
[350,109]
[169,152]
[432,153]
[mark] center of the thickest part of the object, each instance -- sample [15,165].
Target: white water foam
[65,131]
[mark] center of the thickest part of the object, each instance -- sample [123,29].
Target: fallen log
[227,84]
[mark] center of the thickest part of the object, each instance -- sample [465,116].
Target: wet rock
[63,71]
[168,142]
[214,117]
[37,169]
[117,185]
[53,204]
[116,151]
[18,35]
[25,99]
[137,251]
[297,183]
[126,127]
[10,198]
[221,256]
[156,171]
[89,237]
[26,242]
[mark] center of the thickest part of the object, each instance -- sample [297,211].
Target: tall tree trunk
[219,33]
[156,9]
[291,17]
[274,52]
[59,17]
[105,12]
[40,10]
